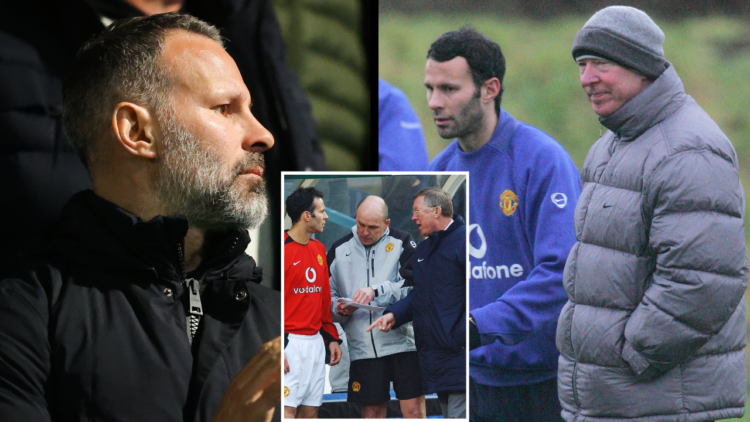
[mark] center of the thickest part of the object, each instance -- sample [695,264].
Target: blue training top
[523,192]
[401,145]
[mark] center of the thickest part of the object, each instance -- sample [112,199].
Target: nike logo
[297,262]
[411,125]
[348,254]
[607,206]
[420,260]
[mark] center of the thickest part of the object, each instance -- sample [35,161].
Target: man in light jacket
[373,265]
[654,328]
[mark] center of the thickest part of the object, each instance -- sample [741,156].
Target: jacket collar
[440,234]
[501,136]
[100,233]
[652,105]
[436,237]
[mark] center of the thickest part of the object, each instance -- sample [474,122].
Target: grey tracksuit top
[386,267]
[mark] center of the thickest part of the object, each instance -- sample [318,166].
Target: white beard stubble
[193,182]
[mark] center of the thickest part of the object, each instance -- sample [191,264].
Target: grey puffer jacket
[654,328]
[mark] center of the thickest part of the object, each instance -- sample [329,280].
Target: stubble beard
[193,182]
[468,121]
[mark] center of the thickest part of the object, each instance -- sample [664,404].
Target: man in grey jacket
[654,328]
[372,265]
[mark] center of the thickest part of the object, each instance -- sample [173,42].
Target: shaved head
[372,219]
[373,205]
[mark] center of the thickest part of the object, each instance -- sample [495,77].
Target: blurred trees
[542,9]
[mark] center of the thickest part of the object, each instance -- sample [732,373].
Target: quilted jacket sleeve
[25,351]
[696,204]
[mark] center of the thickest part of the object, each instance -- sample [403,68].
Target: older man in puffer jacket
[654,329]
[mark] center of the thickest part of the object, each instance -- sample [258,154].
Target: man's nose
[434,101]
[256,137]
[589,75]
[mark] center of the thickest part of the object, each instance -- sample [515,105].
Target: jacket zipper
[575,387]
[372,262]
[195,308]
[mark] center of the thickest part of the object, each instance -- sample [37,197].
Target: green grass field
[711,55]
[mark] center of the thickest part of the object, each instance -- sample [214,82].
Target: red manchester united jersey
[307,291]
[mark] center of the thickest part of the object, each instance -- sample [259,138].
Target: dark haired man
[437,305]
[655,328]
[141,303]
[374,264]
[524,189]
[39,169]
[308,328]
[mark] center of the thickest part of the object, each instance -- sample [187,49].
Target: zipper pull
[196,308]
[194,287]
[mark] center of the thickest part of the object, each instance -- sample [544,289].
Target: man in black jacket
[39,39]
[141,304]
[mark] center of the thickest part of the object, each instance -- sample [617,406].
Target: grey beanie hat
[626,36]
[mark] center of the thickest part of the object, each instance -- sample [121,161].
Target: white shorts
[304,383]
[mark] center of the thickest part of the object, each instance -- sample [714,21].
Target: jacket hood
[654,104]
[99,233]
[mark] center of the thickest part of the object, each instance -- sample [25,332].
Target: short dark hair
[121,64]
[436,197]
[301,200]
[484,56]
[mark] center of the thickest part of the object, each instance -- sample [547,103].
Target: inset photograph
[375,295]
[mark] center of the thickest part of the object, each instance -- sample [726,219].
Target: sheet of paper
[349,302]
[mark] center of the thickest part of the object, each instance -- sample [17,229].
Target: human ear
[133,126]
[491,89]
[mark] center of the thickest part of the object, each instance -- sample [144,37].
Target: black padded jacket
[93,321]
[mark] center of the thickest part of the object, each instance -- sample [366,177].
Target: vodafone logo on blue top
[488,271]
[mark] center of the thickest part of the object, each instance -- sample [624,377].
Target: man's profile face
[608,86]
[425,217]
[371,223]
[319,216]
[453,98]
[211,146]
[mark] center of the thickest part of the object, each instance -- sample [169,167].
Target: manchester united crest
[286,391]
[356,386]
[320,260]
[508,202]
[389,247]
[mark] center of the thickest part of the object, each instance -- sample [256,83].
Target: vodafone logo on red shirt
[310,276]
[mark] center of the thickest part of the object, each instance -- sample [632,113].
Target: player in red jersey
[307,307]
